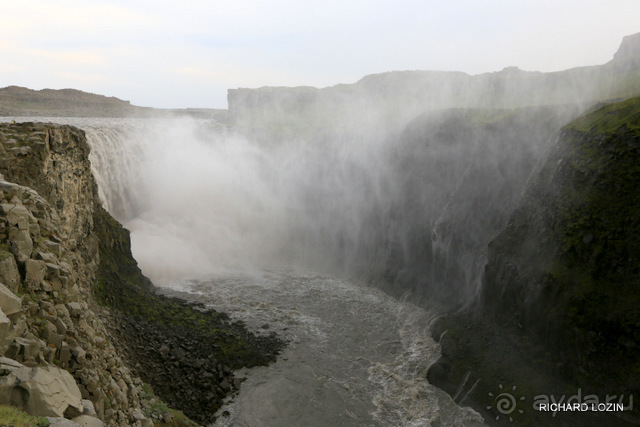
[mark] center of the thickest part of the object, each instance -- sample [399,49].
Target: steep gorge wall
[82,305]
[456,151]
[559,310]
[385,100]
[50,259]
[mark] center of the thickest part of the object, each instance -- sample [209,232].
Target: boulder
[18,328]
[52,246]
[51,336]
[47,257]
[24,349]
[36,271]
[9,302]
[61,422]
[88,421]
[5,325]
[21,244]
[9,364]
[88,408]
[9,274]
[75,309]
[17,215]
[64,354]
[79,354]
[139,417]
[44,391]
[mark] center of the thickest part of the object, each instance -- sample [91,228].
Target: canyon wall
[79,316]
[558,313]
[50,258]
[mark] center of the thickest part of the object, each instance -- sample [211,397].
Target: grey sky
[186,53]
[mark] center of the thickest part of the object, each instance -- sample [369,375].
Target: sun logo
[505,403]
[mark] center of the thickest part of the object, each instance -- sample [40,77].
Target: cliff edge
[559,312]
[82,332]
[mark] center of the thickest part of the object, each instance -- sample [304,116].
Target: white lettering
[630,407]
[576,402]
[541,402]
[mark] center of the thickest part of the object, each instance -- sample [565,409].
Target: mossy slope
[200,341]
[560,306]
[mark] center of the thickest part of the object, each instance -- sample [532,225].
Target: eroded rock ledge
[559,314]
[77,313]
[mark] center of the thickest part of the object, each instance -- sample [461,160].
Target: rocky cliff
[50,257]
[79,323]
[20,101]
[388,99]
[24,102]
[559,310]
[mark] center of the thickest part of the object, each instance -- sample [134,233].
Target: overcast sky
[187,53]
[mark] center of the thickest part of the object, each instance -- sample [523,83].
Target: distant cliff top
[15,100]
[398,96]
[628,53]
[21,101]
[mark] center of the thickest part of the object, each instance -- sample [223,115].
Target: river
[269,235]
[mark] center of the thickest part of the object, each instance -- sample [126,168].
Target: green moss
[122,286]
[10,416]
[146,321]
[4,253]
[561,299]
[158,409]
[611,118]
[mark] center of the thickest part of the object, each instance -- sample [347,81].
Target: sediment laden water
[211,211]
[356,357]
[202,202]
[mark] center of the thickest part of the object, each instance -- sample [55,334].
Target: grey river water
[211,213]
[356,357]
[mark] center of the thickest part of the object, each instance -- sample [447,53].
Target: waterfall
[411,209]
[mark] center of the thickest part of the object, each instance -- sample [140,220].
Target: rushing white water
[200,200]
[356,357]
[240,226]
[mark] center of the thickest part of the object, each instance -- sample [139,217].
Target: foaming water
[411,209]
[356,357]
[200,199]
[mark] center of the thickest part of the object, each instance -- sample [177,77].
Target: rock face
[61,253]
[398,96]
[628,55]
[580,263]
[559,312]
[16,100]
[186,353]
[49,258]
[460,173]
[42,391]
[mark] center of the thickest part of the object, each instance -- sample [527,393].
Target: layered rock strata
[49,259]
[60,255]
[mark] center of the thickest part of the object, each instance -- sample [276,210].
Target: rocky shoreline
[79,320]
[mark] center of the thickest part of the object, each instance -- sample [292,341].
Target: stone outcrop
[398,96]
[42,390]
[60,255]
[15,100]
[559,310]
[49,257]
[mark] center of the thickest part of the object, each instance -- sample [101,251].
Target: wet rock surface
[558,314]
[189,369]
[60,255]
